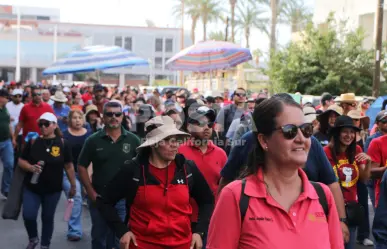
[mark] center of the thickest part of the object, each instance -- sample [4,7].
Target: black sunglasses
[17,96]
[34,94]
[290,130]
[44,123]
[111,114]
[241,94]
[383,121]
[202,123]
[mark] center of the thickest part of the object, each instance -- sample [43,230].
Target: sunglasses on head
[202,123]
[44,123]
[111,114]
[290,131]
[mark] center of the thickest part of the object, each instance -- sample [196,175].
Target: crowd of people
[186,171]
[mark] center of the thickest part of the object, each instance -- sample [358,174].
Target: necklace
[49,146]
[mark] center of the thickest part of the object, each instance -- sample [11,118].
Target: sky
[135,12]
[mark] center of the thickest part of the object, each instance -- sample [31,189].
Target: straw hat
[357,114]
[332,108]
[91,108]
[166,127]
[59,97]
[346,98]
[309,114]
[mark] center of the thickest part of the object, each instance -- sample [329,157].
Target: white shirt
[14,112]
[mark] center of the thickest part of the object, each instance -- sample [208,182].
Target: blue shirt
[62,112]
[379,228]
[317,166]
[370,138]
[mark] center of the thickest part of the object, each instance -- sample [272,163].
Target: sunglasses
[202,123]
[17,96]
[290,131]
[34,94]
[44,123]
[111,114]
[383,121]
[241,94]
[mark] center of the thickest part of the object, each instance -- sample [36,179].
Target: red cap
[13,83]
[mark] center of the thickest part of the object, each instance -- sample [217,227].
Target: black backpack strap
[134,183]
[243,201]
[188,170]
[322,198]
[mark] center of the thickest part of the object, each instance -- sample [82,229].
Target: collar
[210,145]
[255,186]
[103,133]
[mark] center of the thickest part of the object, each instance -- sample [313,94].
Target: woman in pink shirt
[275,206]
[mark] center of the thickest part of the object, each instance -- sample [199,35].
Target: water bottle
[68,209]
[35,176]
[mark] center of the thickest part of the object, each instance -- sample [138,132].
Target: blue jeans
[102,237]
[364,229]
[31,205]
[74,224]
[352,238]
[6,157]
[371,191]
[380,246]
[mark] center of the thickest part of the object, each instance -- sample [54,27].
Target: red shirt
[347,173]
[267,225]
[209,163]
[29,115]
[86,97]
[100,104]
[378,153]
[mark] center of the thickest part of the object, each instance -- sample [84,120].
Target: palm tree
[233,5]
[210,10]
[191,9]
[250,17]
[297,14]
[217,36]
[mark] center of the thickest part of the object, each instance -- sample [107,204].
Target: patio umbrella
[374,109]
[209,55]
[95,58]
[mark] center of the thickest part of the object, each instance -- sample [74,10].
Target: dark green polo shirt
[5,120]
[107,156]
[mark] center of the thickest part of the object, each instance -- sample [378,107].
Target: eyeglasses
[240,94]
[111,114]
[202,123]
[44,123]
[290,130]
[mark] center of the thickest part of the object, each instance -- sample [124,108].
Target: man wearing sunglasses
[31,112]
[107,150]
[317,166]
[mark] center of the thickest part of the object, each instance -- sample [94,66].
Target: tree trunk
[273,28]
[204,29]
[193,28]
[247,36]
[233,4]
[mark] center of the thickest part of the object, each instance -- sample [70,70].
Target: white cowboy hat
[166,127]
[59,97]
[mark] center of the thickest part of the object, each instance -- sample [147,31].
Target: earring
[266,148]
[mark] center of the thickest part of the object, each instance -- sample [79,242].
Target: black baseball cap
[4,93]
[381,115]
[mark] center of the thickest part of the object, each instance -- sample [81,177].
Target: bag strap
[243,201]
[188,172]
[322,198]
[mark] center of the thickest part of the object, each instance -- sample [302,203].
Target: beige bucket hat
[59,97]
[166,127]
[357,114]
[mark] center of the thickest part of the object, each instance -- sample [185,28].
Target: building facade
[154,44]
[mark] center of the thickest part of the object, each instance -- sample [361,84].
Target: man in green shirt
[6,146]
[107,150]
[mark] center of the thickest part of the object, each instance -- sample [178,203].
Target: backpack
[244,200]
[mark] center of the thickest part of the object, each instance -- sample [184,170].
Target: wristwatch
[344,220]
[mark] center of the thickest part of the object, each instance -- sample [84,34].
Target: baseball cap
[49,117]
[98,87]
[3,93]
[202,111]
[381,115]
[309,114]
[17,92]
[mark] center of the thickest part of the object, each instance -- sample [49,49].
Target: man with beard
[99,97]
[107,149]
[208,157]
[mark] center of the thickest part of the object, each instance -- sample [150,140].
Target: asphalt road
[14,236]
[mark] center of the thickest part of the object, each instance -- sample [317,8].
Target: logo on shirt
[126,148]
[317,217]
[55,151]
[180,181]
[262,219]
[347,173]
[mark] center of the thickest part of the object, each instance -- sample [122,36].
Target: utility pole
[17,70]
[182,39]
[55,48]
[379,32]
[226,31]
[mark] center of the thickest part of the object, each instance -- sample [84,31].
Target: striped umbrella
[94,58]
[209,55]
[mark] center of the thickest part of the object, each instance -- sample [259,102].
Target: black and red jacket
[157,214]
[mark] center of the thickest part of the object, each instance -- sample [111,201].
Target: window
[166,59]
[47,18]
[159,45]
[128,43]
[158,63]
[168,45]
[118,41]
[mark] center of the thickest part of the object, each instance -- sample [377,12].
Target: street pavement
[14,236]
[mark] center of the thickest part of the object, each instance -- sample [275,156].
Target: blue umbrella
[94,58]
[374,109]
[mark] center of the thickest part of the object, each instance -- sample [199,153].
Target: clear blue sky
[134,13]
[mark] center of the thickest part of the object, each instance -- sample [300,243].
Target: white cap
[66,89]
[17,92]
[49,117]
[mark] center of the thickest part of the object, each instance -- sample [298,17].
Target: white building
[357,13]
[37,47]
